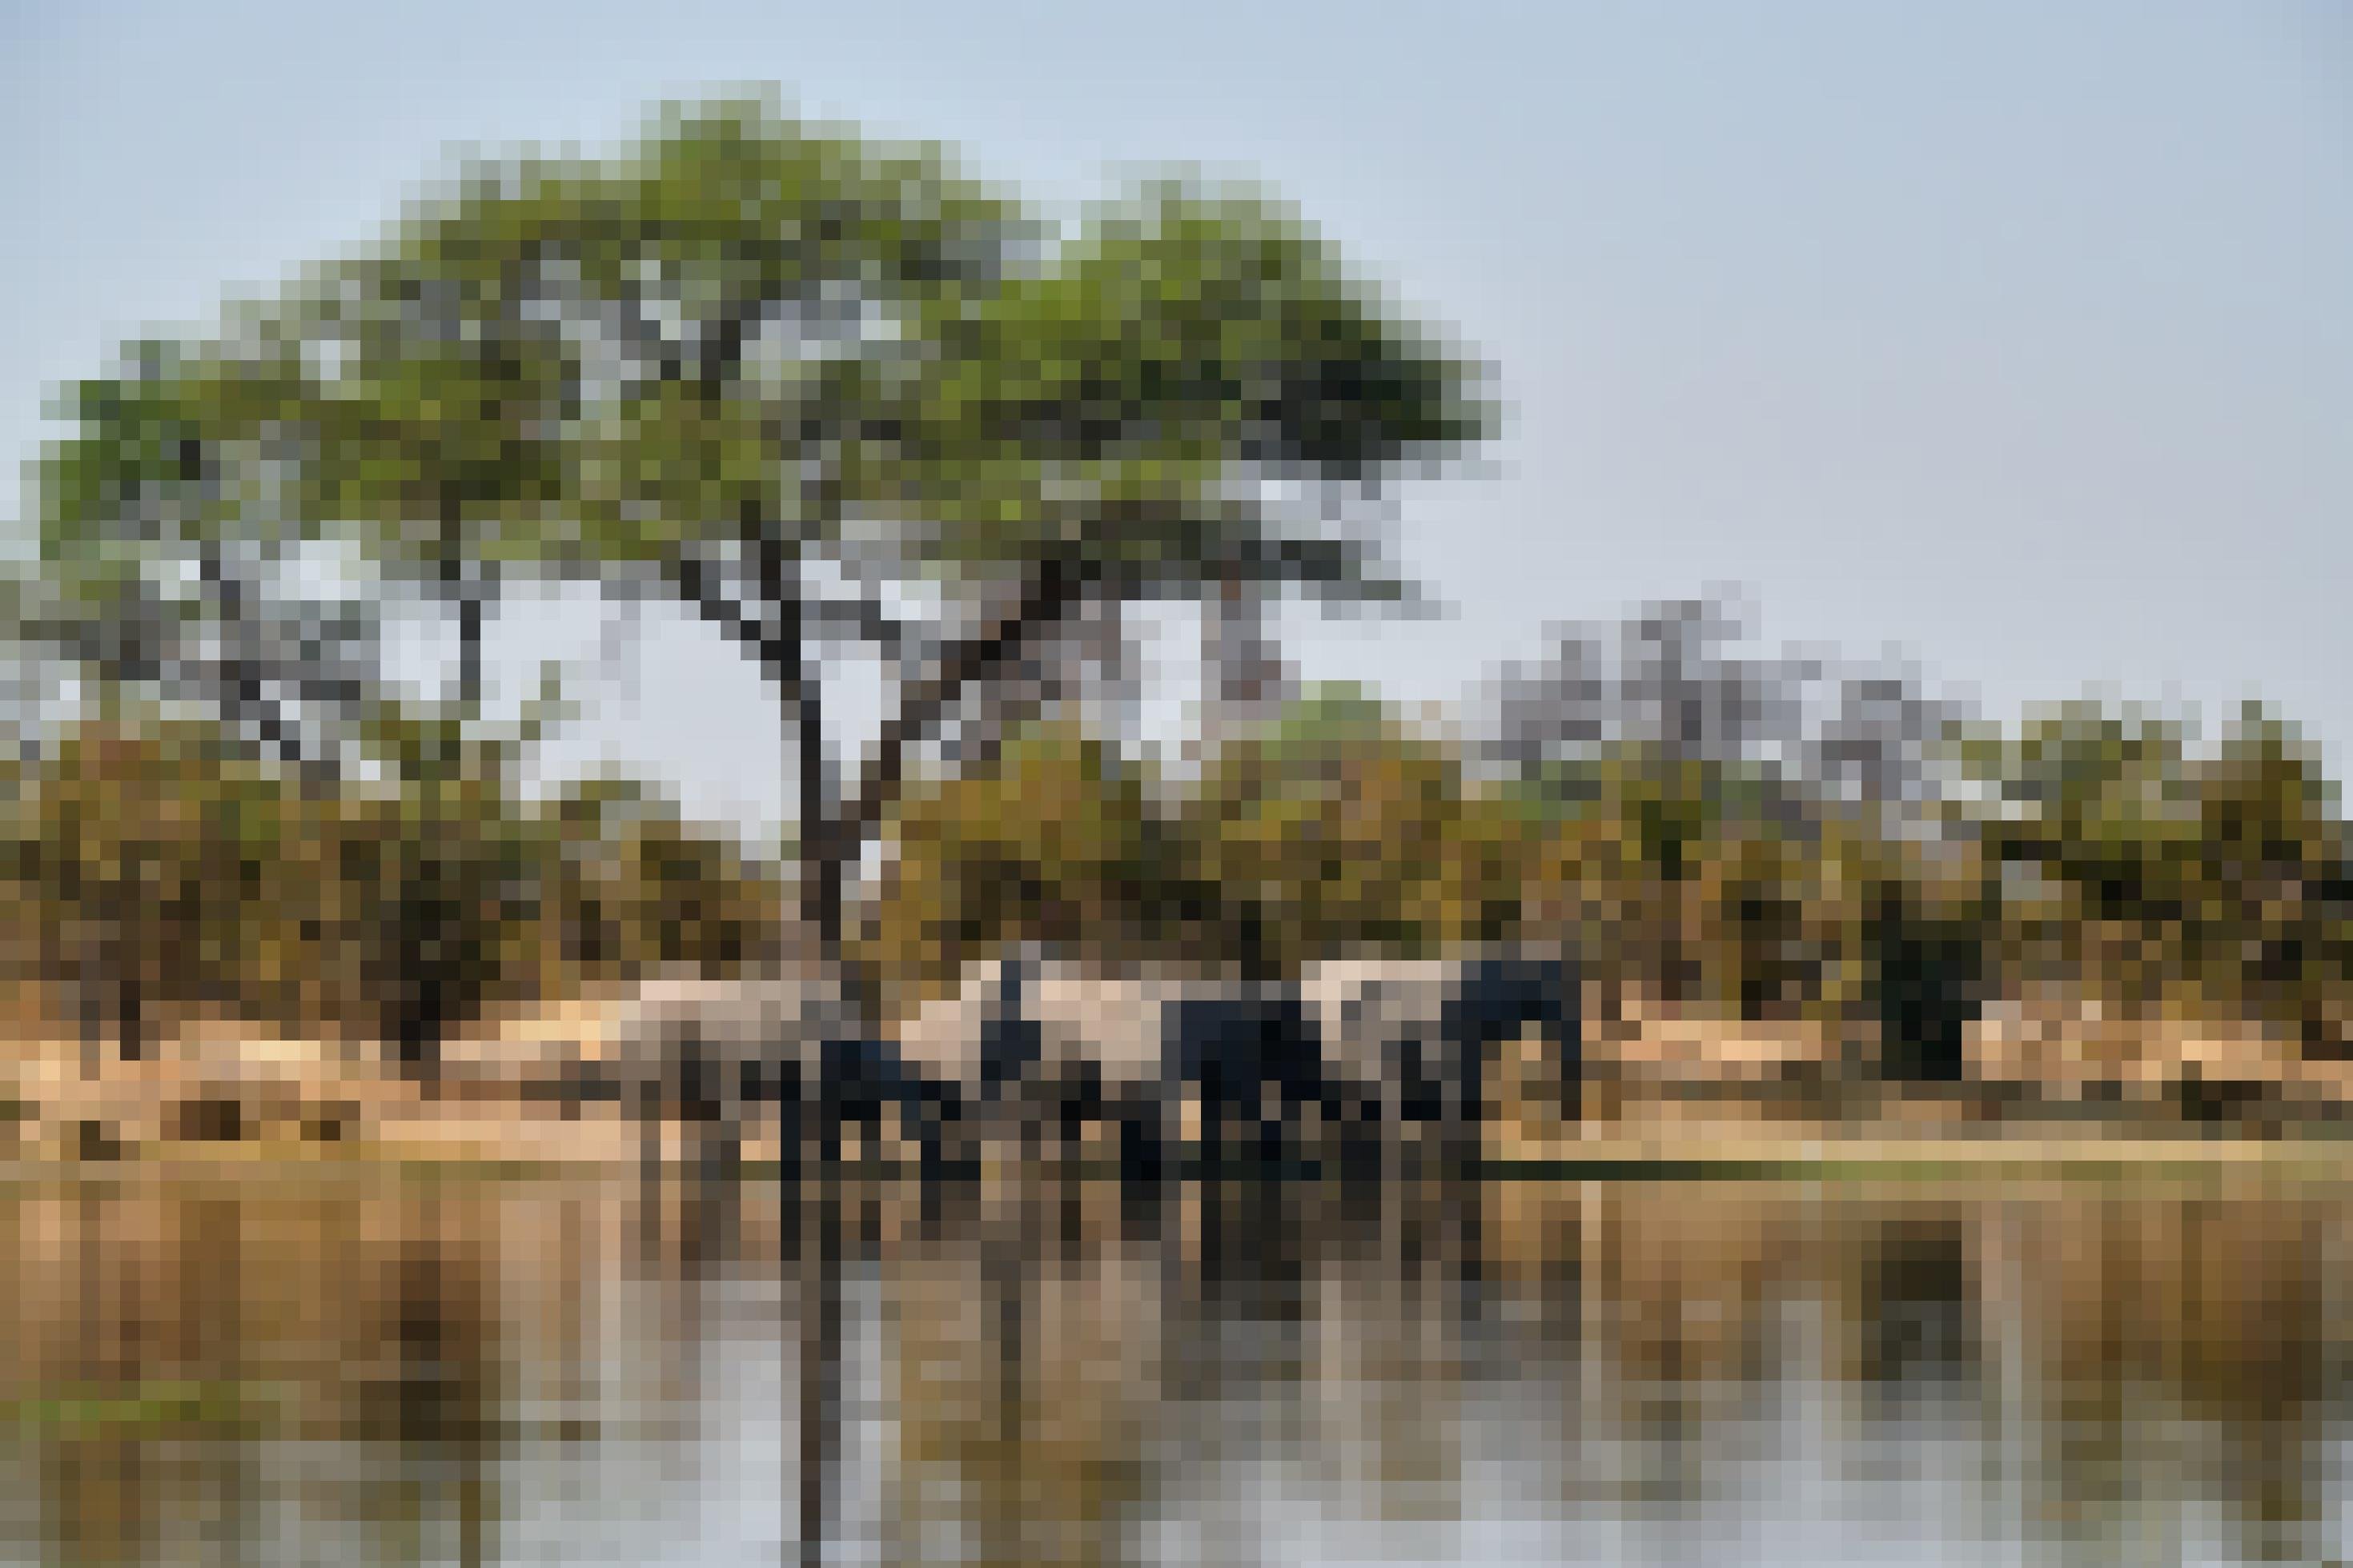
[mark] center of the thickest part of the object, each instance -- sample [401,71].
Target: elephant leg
[1141,1139]
[950,1112]
[1417,1101]
[1258,1110]
[1220,1127]
[649,1133]
[719,1150]
[1470,1087]
[1336,1116]
[827,1133]
[791,1129]
[1352,1129]
[934,1129]
[1069,1117]
[1279,1134]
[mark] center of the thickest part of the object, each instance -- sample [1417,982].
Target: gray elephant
[1034,1051]
[1405,1044]
[707,1050]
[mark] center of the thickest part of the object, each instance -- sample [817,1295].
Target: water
[385,1367]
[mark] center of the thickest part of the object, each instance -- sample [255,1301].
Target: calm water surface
[384,1368]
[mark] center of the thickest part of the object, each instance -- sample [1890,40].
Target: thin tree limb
[777,656]
[1047,598]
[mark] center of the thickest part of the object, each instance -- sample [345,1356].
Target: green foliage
[444,390]
[157,869]
[157,872]
[1693,880]
[632,887]
[2120,870]
[1339,829]
[1104,399]
[1057,842]
[2157,880]
[1344,828]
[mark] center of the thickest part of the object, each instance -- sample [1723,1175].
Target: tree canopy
[777,373]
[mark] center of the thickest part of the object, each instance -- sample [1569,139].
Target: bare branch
[779,660]
[1047,598]
[861,619]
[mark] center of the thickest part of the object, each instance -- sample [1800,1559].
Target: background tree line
[157,869]
[1760,838]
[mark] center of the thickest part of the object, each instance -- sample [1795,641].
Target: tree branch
[1047,598]
[858,618]
[861,618]
[778,658]
[720,353]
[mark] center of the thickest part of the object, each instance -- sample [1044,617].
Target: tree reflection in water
[380,1368]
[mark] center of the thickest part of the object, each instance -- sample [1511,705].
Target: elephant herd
[1363,1063]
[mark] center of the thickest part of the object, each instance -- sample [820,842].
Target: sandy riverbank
[532,1138]
[1664,1091]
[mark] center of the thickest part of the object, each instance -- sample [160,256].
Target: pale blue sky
[2017,335]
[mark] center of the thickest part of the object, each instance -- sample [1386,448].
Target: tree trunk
[821,849]
[463,580]
[1240,670]
[801,695]
[466,593]
[130,1015]
[469,648]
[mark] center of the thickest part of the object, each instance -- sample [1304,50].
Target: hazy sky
[2019,336]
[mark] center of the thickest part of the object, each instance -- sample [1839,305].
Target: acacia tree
[782,377]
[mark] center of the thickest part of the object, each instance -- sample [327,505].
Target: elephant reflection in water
[1028,1392]
[1056,1398]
